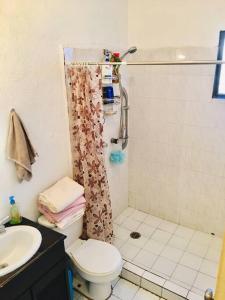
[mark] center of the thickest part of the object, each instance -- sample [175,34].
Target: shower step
[156,284]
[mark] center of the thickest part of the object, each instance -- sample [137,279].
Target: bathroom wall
[177,151]
[177,141]
[175,23]
[32,34]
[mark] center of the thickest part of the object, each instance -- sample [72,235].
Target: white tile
[145,259]
[161,236]
[121,233]
[130,276]
[154,247]
[213,254]
[145,295]
[133,268]
[153,221]
[164,266]
[171,291]
[152,287]
[152,283]
[178,242]
[185,275]
[129,251]
[125,290]
[197,249]
[172,253]
[154,278]
[120,219]
[180,283]
[184,232]
[118,242]
[128,211]
[216,243]
[193,296]
[167,226]
[204,282]
[131,224]
[201,238]
[146,230]
[138,242]
[139,216]
[171,295]
[160,274]
[196,291]
[190,260]
[209,268]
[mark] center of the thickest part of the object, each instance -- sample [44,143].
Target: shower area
[176,184]
[168,196]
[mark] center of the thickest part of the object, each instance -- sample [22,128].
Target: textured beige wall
[175,23]
[31,80]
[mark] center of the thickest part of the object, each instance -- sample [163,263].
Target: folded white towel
[61,194]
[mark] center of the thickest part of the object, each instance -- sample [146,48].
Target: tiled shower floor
[179,255]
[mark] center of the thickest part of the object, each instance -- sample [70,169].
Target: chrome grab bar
[209,294]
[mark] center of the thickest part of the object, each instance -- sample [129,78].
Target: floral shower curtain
[86,131]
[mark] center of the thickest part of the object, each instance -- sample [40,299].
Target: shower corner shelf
[116,101]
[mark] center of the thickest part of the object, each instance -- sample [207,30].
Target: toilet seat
[97,258]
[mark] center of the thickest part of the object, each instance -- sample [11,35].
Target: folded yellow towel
[19,148]
[220,284]
[61,194]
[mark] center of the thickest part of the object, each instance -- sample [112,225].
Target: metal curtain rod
[153,63]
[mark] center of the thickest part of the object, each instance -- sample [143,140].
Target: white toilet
[97,262]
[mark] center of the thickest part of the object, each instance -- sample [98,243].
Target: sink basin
[17,245]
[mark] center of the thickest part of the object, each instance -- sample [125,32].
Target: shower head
[131,50]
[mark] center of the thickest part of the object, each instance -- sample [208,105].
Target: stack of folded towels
[63,203]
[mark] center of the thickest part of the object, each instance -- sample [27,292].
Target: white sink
[17,245]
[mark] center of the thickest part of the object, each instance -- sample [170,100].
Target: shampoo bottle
[15,217]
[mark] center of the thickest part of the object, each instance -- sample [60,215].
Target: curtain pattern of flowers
[86,131]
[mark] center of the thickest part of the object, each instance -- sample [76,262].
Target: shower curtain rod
[152,63]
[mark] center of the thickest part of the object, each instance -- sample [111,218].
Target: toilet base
[100,291]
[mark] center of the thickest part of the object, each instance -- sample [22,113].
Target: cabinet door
[53,286]
[25,296]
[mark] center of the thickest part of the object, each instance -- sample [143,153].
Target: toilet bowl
[97,262]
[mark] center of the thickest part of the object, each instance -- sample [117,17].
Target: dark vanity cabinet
[44,276]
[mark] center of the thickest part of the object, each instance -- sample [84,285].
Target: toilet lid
[97,257]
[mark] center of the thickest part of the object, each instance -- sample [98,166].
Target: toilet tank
[72,232]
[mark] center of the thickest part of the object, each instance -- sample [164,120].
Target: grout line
[185,250]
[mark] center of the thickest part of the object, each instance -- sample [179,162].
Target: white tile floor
[178,254]
[125,290]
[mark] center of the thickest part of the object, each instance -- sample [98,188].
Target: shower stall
[168,196]
[175,173]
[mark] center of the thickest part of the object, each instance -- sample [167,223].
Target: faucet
[2,224]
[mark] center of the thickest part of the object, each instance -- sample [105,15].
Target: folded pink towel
[68,211]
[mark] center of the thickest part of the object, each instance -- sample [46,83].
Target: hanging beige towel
[19,148]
